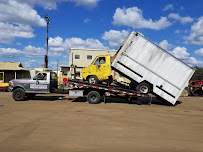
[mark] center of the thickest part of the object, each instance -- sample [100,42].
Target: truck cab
[99,70]
[42,82]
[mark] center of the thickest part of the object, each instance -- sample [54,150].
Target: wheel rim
[18,94]
[93,97]
[144,89]
[92,80]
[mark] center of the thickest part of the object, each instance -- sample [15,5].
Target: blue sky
[175,25]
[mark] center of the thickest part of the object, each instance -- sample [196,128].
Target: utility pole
[46,56]
[57,66]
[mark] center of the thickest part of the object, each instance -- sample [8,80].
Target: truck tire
[93,79]
[143,88]
[93,97]
[19,94]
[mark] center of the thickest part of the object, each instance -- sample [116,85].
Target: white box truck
[145,63]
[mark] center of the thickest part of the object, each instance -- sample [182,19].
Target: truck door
[102,68]
[1,78]
[53,81]
[40,83]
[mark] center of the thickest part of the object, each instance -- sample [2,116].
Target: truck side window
[40,76]
[100,60]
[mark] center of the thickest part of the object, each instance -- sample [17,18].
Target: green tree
[198,75]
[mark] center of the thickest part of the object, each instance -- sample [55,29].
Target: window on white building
[77,56]
[89,57]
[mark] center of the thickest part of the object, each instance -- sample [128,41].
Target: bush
[198,75]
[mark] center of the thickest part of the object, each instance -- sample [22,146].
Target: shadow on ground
[46,98]
[116,99]
[139,100]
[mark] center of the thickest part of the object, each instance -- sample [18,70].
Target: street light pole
[57,66]
[46,56]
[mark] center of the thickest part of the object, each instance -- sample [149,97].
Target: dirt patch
[50,124]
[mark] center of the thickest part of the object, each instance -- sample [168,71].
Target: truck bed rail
[110,88]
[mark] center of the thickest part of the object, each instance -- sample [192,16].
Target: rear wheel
[143,88]
[19,94]
[93,79]
[93,97]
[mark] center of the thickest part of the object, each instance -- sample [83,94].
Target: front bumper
[10,88]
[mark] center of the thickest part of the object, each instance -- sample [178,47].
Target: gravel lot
[47,124]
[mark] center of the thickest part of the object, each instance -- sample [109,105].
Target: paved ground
[47,124]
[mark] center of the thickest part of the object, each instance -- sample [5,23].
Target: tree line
[198,75]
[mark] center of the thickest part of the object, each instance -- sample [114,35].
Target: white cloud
[9,32]
[54,54]
[55,42]
[182,54]
[199,52]
[32,64]
[165,45]
[183,20]
[16,19]
[18,43]
[86,3]
[20,13]
[59,45]
[177,31]
[196,33]
[168,7]
[32,52]
[9,52]
[52,4]
[87,20]
[133,17]
[115,38]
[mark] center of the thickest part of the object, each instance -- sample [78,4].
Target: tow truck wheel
[93,97]
[19,94]
[143,88]
[93,79]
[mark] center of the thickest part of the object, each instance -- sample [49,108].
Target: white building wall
[83,54]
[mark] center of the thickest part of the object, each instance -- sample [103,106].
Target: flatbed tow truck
[46,83]
[150,69]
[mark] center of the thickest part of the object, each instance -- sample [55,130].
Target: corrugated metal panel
[11,66]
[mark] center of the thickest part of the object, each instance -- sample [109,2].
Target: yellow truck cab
[99,70]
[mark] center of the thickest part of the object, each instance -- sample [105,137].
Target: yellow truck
[3,85]
[99,70]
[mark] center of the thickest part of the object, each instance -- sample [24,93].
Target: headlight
[10,83]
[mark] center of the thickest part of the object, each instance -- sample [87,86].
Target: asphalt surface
[48,124]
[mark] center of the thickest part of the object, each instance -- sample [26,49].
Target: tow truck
[46,82]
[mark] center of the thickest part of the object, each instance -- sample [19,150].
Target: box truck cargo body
[143,61]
